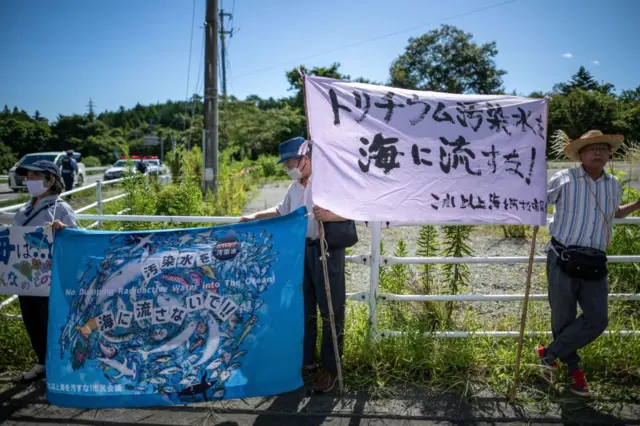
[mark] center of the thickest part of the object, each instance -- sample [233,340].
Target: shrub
[91,161]
[269,167]
[394,280]
[515,231]
[430,314]
[623,277]
[456,276]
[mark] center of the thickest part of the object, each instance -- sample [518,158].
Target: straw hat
[572,148]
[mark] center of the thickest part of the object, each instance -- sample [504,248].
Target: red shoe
[547,370]
[578,384]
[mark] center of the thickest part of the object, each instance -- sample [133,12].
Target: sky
[56,55]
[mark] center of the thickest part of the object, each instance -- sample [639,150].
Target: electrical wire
[197,90]
[360,43]
[186,105]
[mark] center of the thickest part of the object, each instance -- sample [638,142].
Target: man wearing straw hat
[586,199]
[295,156]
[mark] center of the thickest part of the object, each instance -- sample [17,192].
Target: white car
[154,166]
[17,183]
[119,168]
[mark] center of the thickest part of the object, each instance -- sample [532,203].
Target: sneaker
[547,369]
[578,384]
[325,382]
[36,371]
[308,372]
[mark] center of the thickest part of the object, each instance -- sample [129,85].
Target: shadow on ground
[25,404]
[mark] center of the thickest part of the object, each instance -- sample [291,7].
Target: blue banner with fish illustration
[25,260]
[176,316]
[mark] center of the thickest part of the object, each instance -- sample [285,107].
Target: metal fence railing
[376,261]
[6,211]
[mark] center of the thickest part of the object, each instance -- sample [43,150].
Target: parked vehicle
[17,183]
[154,165]
[119,168]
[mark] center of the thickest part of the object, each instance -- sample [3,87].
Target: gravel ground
[485,241]
[484,278]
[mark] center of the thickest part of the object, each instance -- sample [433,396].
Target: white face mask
[294,173]
[36,187]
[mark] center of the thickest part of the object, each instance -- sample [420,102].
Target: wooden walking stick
[523,320]
[332,320]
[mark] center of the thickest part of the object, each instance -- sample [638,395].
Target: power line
[230,75]
[359,43]
[197,90]
[186,105]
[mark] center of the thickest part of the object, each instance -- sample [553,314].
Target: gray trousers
[565,293]
[315,297]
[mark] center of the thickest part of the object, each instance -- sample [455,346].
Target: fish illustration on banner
[25,260]
[176,316]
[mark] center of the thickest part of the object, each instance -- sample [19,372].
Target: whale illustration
[175,343]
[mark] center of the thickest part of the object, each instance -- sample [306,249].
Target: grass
[421,362]
[384,367]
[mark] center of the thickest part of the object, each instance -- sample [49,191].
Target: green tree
[580,111]
[7,158]
[251,132]
[295,82]
[23,135]
[448,60]
[583,80]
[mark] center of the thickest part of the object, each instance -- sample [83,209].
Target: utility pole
[223,52]
[210,156]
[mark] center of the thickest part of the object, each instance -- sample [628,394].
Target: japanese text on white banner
[387,154]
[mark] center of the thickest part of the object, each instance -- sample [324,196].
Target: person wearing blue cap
[44,183]
[295,156]
[69,168]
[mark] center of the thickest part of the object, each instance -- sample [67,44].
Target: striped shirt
[577,218]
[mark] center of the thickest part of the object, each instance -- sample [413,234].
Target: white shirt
[298,196]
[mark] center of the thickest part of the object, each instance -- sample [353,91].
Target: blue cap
[41,166]
[293,148]
[70,152]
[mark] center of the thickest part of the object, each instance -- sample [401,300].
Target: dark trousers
[315,297]
[565,294]
[68,181]
[35,315]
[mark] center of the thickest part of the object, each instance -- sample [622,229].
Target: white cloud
[567,55]
[595,62]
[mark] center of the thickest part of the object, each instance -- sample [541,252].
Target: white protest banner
[25,260]
[387,154]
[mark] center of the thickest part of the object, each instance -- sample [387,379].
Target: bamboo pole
[523,320]
[332,320]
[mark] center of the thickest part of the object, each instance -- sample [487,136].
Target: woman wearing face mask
[45,185]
